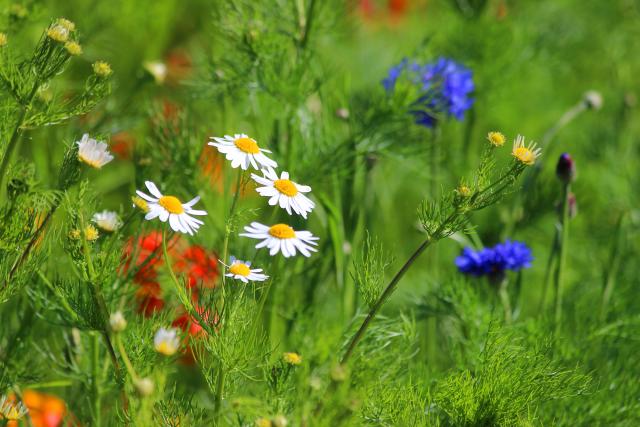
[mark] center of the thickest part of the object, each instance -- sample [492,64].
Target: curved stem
[382,299]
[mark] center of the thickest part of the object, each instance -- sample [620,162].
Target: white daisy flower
[166,341]
[241,270]
[170,208]
[242,151]
[284,192]
[281,238]
[107,220]
[92,152]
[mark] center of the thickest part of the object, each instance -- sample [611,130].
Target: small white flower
[241,270]
[157,69]
[170,208]
[284,192]
[281,238]
[242,151]
[92,152]
[107,220]
[166,341]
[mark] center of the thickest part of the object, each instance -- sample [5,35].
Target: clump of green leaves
[509,382]
[369,269]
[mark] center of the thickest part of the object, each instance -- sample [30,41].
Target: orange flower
[45,410]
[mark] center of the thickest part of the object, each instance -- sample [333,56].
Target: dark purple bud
[566,169]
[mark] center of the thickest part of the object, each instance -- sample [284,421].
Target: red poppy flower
[200,266]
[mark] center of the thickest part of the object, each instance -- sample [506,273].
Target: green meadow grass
[303,78]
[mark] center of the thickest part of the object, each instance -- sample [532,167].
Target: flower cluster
[444,87]
[510,255]
[243,152]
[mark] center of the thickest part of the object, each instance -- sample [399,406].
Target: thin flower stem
[564,244]
[125,358]
[95,364]
[391,287]
[505,300]
[104,313]
[613,265]
[15,136]
[227,231]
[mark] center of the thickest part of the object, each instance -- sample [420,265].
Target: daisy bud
[593,100]
[496,139]
[73,48]
[66,24]
[90,233]
[117,322]
[3,39]
[463,191]
[102,69]
[144,386]
[263,422]
[280,421]
[565,169]
[292,358]
[58,33]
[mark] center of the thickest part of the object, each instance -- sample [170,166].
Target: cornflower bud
[565,169]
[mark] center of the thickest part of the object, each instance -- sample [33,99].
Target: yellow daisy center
[286,187]
[496,138]
[240,269]
[166,348]
[525,155]
[171,204]
[247,145]
[94,163]
[282,231]
[13,414]
[292,358]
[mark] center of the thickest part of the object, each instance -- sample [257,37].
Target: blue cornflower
[510,255]
[444,86]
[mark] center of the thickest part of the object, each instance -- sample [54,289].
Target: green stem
[13,142]
[505,300]
[564,244]
[125,358]
[95,364]
[391,287]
